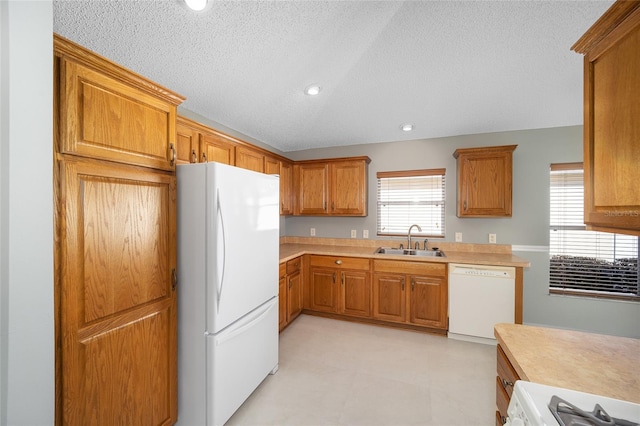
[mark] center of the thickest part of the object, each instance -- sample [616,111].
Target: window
[585,262]
[411,197]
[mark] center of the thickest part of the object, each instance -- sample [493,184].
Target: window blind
[586,262]
[411,197]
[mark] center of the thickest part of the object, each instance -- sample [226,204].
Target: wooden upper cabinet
[271,165]
[336,187]
[115,243]
[217,147]
[286,188]
[187,143]
[349,188]
[611,120]
[250,159]
[109,113]
[485,181]
[312,188]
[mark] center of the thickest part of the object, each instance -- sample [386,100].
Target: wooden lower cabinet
[290,291]
[505,379]
[340,285]
[115,294]
[410,292]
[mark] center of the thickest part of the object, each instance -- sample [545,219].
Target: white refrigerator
[228,242]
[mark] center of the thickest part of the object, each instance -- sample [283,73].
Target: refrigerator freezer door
[242,243]
[238,359]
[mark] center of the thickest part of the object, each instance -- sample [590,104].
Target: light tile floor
[342,373]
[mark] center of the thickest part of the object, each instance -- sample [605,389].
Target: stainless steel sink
[407,252]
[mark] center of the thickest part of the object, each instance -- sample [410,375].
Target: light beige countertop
[477,254]
[587,362]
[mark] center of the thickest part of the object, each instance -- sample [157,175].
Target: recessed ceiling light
[312,90]
[407,127]
[196,5]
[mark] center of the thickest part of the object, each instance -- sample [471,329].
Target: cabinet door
[355,293]
[349,188]
[312,182]
[485,181]
[116,294]
[389,297]
[286,188]
[217,148]
[187,144]
[428,301]
[612,130]
[295,296]
[323,289]
[101,117]
[271,165]
[249,159]
[282,297]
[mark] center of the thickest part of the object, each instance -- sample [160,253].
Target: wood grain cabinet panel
[505,379]
[334,187]
[114,248]
[117,301]
[218,148]
[410,292]
[187,143]
[485,181]
[389,301]
[286,188]
[612,127]
[250,159]
[340,285]
[103,117]
[349,188]
[312,188]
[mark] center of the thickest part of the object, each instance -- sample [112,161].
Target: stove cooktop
[534,404]
[568,414]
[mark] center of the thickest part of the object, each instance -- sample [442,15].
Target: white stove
[533,404]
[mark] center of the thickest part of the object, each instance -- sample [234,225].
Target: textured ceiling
[448,67]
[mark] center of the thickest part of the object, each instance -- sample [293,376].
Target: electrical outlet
[312,232]
[354,233]
[365,233]
[492,238]
[458,237]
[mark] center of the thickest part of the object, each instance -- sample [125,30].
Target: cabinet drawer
[507,375]
[294,265]
[413,268]
[502,399]
[340,262]
[282,270]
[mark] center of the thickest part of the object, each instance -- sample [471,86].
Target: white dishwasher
[479,297]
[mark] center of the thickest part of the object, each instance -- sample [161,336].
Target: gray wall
[527,230]
[26,214]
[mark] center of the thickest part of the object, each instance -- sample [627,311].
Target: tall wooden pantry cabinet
[115,250]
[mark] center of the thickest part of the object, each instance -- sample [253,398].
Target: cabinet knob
[338,262]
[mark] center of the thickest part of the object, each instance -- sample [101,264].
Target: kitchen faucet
[409,234]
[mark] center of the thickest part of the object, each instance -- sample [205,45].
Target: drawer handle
[172,160]
[506,383]
[338,262]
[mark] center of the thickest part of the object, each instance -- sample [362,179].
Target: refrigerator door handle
[221,241]
[248,323]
